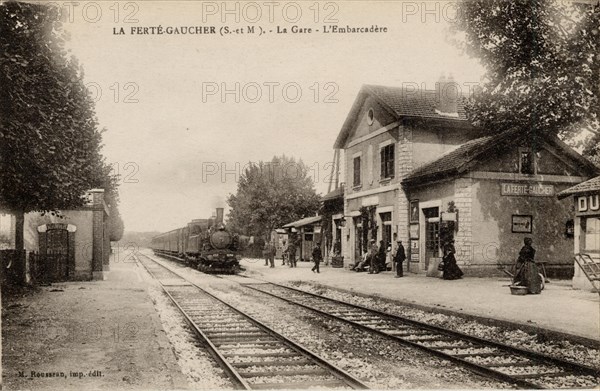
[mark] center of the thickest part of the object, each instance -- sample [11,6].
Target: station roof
[401,102]
[303,222]
[453,162]
[337,193]
[463,158]
[589,186]
[409,103]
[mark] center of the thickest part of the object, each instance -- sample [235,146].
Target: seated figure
[363,263]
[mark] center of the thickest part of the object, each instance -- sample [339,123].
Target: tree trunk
[20,245]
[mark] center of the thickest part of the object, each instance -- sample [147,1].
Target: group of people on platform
[288,256]
[375,260]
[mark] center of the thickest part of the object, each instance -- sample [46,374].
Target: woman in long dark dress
[451,269]
[527,273]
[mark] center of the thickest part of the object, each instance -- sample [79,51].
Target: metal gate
[57,254]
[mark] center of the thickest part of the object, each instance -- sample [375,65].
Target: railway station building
[417,171]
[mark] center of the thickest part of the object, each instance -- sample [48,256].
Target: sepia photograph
[299,194]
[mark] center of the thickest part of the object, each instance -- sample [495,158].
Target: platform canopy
[303,222]
[332,195]
[589,186]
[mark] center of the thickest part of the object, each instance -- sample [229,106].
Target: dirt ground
[87,335]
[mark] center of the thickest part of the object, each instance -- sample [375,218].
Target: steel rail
[583,369]
[482,370]
[338,373]
[233,374]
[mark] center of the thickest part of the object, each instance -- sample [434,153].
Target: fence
[12,271]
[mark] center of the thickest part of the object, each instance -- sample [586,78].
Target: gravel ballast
[370,358]
[562,348]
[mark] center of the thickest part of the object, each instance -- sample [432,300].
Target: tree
[543,65]
[49,138]
[270,195]
[116,227]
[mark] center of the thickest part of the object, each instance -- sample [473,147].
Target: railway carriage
[205,244]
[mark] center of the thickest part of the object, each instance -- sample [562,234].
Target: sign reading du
[588,204]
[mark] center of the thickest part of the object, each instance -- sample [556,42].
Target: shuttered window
[387,161]
[356,181]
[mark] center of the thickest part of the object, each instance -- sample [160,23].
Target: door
[386,232]
[432,235]
[358,239]
[57,254]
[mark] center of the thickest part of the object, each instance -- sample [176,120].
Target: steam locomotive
[204,244]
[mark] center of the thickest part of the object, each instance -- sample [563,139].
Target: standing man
[284,254]
[373,250]
[266,252]
[399,259]
[317,257]
[272,252]
[292,253]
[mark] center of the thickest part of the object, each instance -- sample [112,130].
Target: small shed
[73,246]
[307,233]
[586,232]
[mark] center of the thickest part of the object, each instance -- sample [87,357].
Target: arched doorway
[56,244]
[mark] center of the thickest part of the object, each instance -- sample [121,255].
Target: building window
[356,181]
[526,162]
[387,161]
[370,117]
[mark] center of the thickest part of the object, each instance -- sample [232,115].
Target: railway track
[523,368]
[253,355]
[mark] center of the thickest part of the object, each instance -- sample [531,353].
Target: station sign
[527,189]
[587,205]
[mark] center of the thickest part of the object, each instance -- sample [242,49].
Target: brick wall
[463,201]
[404,154]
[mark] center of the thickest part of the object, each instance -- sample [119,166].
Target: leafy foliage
[543,64]
[270,195]
[369,224]
[49,138]
[49,141]
[591,149]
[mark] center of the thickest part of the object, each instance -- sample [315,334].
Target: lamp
[342,222]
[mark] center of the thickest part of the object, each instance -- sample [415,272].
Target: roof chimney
[447,92]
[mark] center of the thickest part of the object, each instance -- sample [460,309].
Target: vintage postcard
[304,194]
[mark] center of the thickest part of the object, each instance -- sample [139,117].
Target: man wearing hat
[399,258]
[316,255]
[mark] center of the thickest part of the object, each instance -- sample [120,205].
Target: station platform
[559,308]
[87,335]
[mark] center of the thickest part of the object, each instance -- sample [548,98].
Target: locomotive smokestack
[219,218]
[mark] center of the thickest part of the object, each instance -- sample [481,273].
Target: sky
[180,144]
